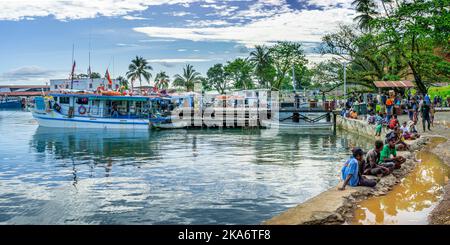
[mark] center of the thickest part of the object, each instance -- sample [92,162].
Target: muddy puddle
[411,201]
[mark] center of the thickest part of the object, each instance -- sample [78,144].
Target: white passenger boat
[82,110]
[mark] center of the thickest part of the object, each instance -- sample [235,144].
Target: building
[83,84]
[23,90]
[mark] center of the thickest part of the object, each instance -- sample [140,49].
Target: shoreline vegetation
[337,207]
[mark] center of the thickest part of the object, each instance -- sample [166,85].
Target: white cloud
[204,23]
[179,60]
[156,40]
[178,14]
[129,17]
[30,75]
[79,9]
[305,25]
[181,50]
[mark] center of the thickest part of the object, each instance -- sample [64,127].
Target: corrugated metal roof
[21,93]
[394,84]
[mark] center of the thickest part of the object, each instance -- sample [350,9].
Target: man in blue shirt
[351,174]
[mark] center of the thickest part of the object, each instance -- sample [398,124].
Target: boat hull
[15,104]
[55,120]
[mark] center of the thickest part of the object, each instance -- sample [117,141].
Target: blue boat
[10,104]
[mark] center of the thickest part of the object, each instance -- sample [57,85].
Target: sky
[37,36]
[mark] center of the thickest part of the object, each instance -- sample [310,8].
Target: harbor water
[201,176]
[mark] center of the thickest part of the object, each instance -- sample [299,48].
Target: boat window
[82,101]
[64,100]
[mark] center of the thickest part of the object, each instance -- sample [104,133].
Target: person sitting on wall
[406,133]
[350,171]
[371,119]
[353,114]
[389,154]
[393,122]
[379,123]
[372,166]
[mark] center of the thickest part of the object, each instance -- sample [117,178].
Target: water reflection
[211,176]
[411,201]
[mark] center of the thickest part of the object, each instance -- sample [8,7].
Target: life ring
[81,110]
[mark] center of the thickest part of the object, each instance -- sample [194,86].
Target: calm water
[50,176]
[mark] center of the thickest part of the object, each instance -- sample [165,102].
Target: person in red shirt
[393,122]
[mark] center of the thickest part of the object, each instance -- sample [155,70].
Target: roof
[24,86]
[394,84]
[22,93]
[112,97]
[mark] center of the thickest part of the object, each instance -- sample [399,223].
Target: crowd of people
[382,111]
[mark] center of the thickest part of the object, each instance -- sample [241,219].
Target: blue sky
[36,36]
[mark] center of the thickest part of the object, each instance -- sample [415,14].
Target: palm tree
[123,82]
[162,80]
[189,77]
[366,10]
[260,58]
[139,68]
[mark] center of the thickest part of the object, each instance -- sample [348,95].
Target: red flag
[108,77]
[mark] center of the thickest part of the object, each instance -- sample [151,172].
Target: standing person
[432,111]
[415,106]
[351,174]
[389,154]
[425,113]
[409,107]
[371,166]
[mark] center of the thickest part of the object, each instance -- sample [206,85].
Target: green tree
[327,76]
[139,68]
[123,82]
[419,32]
[188,79]
[216,78]
[239,71]
[95,75]
[366,55]
[262,62]
[162,80]
[284,56]
[367,11]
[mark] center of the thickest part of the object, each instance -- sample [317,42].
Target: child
[432,115]
[351,174]
[379,123]
[405,132]
[393,122]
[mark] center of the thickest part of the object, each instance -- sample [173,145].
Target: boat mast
[73,72]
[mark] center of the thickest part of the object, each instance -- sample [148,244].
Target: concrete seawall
[334,206]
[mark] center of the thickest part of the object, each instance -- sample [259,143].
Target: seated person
[412,129]
[389,154]
[371,118]
[351,174]
[353,114]
[372,166]
[406,133]
[393,122]
[400,143]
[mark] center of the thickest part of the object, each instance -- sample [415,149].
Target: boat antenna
[73,66]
